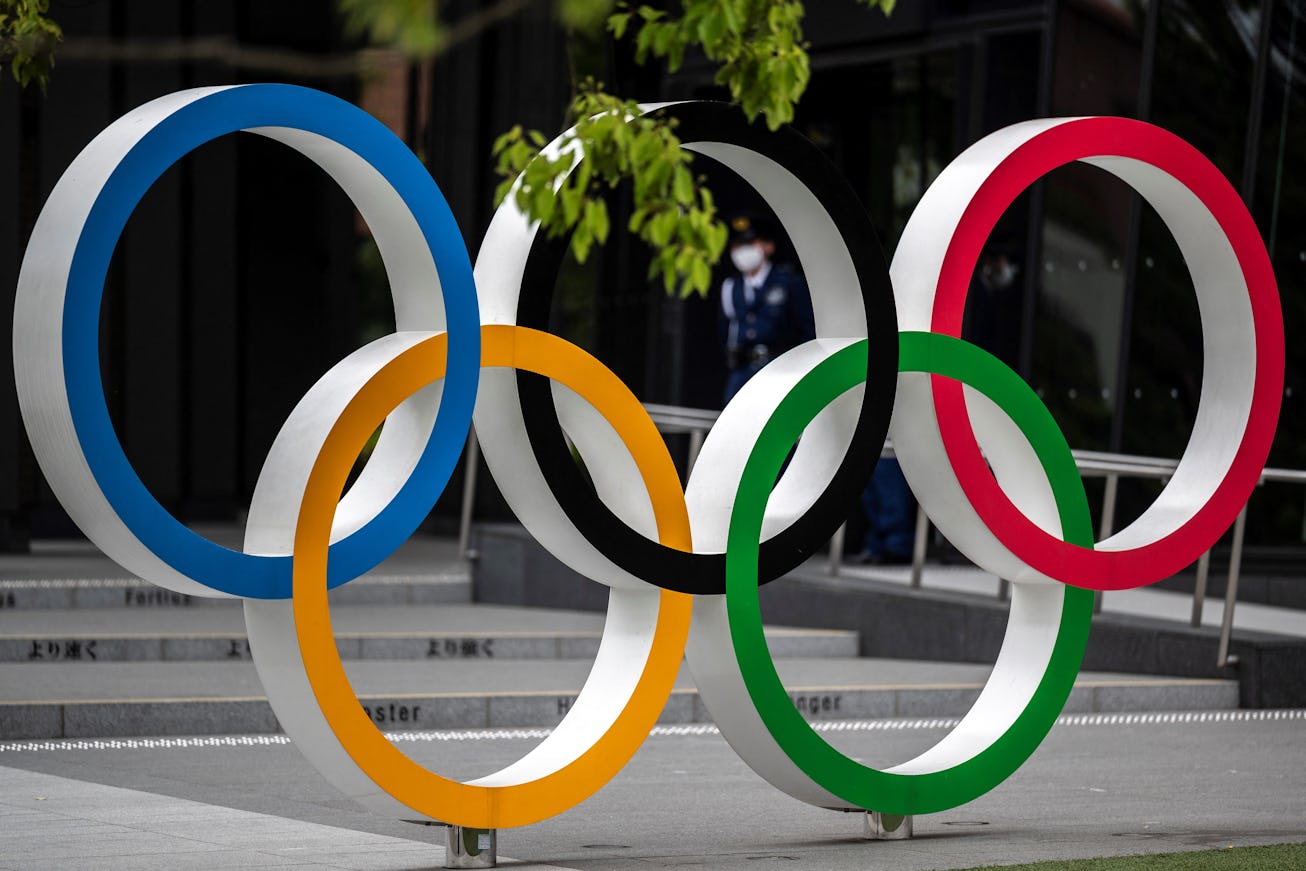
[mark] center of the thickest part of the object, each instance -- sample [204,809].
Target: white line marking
[687,730]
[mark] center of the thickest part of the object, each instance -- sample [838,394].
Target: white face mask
[747,258]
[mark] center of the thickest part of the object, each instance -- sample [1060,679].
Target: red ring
[1060,145]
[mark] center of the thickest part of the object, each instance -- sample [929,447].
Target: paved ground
[1100,785]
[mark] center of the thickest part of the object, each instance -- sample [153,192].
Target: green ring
[851,781]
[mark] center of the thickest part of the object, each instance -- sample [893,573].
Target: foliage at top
[672,211]
[756,45]
[761,59]
[28,40]
[410,26]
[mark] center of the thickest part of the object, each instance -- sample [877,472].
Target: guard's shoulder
[786,275]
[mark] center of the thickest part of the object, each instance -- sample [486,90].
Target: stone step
[72,573]
[31,594]
[407,632]
[69,700]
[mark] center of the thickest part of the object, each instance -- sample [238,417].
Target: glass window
[1201,90]
[1079,276]
[891,128]
[1202,87]
[1279,204]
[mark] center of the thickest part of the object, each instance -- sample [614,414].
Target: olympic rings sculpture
[983,455]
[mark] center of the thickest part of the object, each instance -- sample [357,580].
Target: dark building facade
[244,275]
[1101,318]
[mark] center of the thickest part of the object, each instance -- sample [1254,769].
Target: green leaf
[571,198]
[710,27]
[408,26]
[617,24]
[761,60]
[581,242]
[28,39]
[596,217]
[583,15]
[700,276]
[507,139]
[502,191]
[659,230]
[683,186]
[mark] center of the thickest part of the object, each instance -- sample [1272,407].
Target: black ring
[704,573]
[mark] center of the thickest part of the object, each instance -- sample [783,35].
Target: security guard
[765,308]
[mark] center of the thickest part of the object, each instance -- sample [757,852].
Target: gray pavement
[61,824]
[1100,785]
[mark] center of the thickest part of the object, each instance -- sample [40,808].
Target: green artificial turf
[1280,857]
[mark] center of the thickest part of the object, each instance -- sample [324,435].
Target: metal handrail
[695,422]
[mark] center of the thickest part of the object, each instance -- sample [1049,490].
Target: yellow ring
[422,790]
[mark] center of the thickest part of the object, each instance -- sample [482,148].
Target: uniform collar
[753,282]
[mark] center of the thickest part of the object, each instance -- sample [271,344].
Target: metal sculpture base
[886,827]
[470,848]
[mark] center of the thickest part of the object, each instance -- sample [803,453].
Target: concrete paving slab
[1100,785]
[61,824]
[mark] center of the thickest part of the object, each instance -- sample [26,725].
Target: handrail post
[1199,588]
[472,460]
[836,550]
[918,545]
[1108,524]
[696,422]
[695,446]
[1223,658]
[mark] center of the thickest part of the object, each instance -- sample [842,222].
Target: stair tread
[81,681]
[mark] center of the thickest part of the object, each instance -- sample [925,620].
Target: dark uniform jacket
[767,321]
[759,324]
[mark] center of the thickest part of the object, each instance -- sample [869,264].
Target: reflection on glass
[1080,275]
[1205,56]
[1201,88]
[1202,79]
[1093,302]
[1279,206]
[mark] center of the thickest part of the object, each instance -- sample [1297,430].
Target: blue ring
[204,119]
